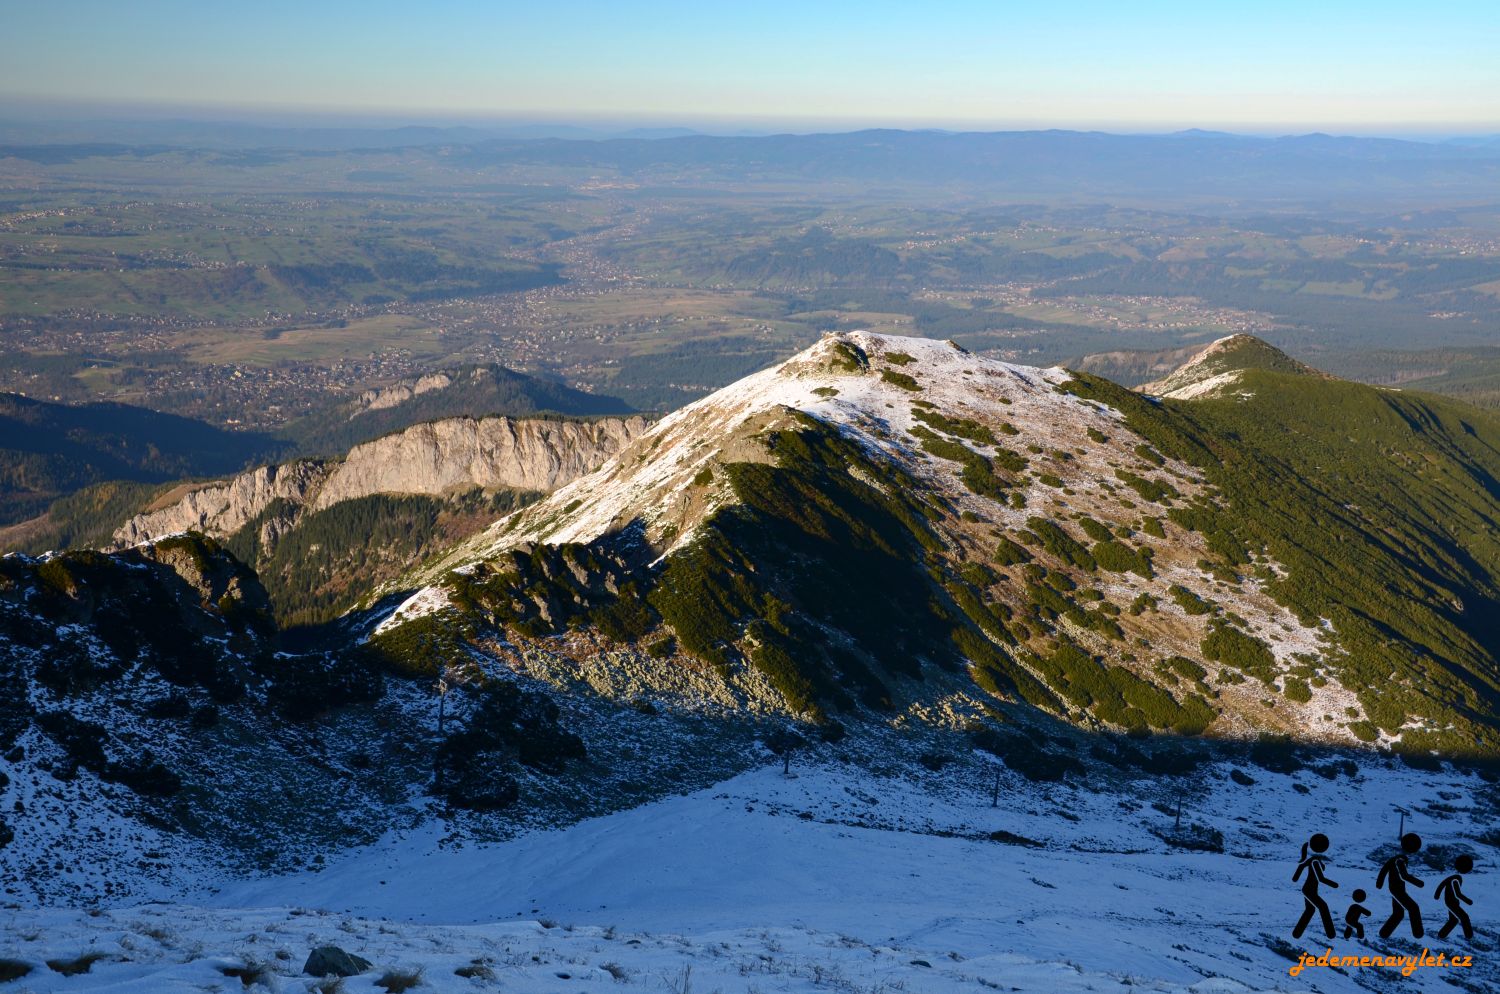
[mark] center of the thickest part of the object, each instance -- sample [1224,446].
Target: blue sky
[1271,65]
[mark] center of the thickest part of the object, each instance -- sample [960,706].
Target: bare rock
[440,457]
[331,961]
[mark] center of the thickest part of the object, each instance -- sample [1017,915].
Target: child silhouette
[1451,893]
[1352,923]
[1394,877]
[1310,899]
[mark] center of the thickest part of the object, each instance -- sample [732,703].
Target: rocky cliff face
[223,508]
[490,453]
[432,459]
[379,400]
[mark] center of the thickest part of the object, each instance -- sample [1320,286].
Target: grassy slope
[330,560]
[1381,506]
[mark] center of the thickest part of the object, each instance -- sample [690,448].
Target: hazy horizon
[83,114]
[1274,68]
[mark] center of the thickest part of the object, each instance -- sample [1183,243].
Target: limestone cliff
[437,458]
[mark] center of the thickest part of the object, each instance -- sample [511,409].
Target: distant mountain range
[1478,141]
[49,450]
[37,128]
[247,136]
[1122,168]
[1192,165]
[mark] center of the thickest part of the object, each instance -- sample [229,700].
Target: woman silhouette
[1314,866]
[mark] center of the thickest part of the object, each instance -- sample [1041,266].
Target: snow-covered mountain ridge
[1072,563]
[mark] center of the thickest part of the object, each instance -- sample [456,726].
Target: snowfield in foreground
[829,880]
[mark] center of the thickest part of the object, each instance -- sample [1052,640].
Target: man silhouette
[1451,893]
[1402,903]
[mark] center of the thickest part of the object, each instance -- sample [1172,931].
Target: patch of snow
[1211,386]
[428,600]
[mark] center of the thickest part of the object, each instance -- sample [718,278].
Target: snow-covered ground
[833,879]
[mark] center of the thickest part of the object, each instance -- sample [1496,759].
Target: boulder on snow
[331,961]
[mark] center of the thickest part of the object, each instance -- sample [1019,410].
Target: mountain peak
[894,526]
[1216,370]
[878,522]
[860,382]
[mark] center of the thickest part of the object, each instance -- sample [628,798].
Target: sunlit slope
[894,526]
[1381,506]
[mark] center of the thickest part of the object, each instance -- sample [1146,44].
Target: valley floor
[832,879]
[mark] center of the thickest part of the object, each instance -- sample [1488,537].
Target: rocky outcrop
[490,453]
[224,507]
[379,400]
[440,457]
[331,961]
[212,574]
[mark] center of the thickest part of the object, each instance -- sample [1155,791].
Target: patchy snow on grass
[427,600]
[1216,385]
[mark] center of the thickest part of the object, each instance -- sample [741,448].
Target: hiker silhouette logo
[1394,875]
[1451,893]
[1353,926]
[1395,878]
[1310,871]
